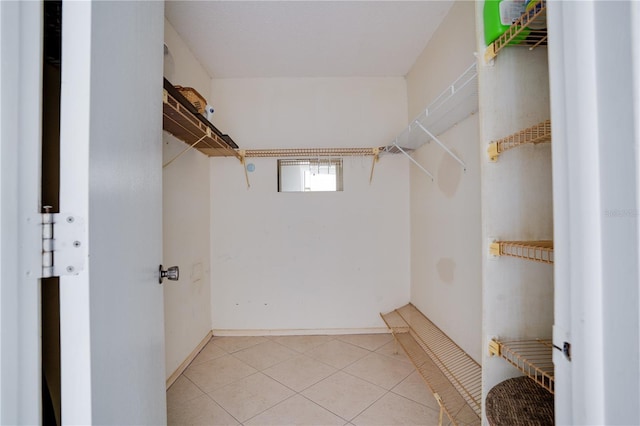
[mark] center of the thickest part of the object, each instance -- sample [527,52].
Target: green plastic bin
[493,22]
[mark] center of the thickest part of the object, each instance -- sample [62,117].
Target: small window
[310,175]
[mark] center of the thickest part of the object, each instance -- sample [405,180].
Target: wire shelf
[534,358]
[537,251]
[454,104]
[310,152]
[181,123]
[452,375]
[536,134]
[529,30]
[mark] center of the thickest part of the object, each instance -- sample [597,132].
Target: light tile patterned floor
[301,380]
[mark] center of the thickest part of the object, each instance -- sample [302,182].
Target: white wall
[312,262]
[445,214]
[185,220]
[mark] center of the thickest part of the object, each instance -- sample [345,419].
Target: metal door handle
[172,273]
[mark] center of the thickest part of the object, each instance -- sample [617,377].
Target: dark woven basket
[519,402]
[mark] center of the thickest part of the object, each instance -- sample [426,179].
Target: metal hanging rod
[310,152]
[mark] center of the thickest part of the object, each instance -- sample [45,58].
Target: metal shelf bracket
[243,156]
[376,158]
[447,150]
[395,143]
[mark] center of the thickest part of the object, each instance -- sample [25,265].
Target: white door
[112,338]
[594,61]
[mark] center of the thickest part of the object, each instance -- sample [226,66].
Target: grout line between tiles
[416,402]
[295,392]
[324,408]
[368,406]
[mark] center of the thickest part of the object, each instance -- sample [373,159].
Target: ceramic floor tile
[393,350]
[344,395]
[200,411]
[337,353]
[218,372]
[264,355]
[236,343]
[380,370]
[415,388]
[250,396]
[209,352]
[303,343]
[182,390]
[299,372]
[370,342]
[296,410]
[396,410]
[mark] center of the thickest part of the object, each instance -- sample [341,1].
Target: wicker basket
[192,95]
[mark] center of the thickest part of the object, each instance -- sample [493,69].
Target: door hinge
[64,242]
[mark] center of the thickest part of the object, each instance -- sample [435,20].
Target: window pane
[309,175]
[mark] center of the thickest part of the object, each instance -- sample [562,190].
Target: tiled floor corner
[301,380]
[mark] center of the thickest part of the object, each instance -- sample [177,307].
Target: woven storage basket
[519,402]
[192,95]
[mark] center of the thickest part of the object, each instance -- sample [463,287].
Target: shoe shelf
[453,376]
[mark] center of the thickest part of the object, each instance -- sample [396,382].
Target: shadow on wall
[446,268]
[449,175]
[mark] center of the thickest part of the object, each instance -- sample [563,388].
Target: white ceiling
[236,39]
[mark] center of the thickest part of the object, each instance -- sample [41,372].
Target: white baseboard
[188,360]
[300,332]
[284,332]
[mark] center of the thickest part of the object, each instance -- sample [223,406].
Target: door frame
[596,168]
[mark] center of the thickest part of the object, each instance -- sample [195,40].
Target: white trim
[300,332]
[75,319]
[596,241]
[20,249]
[183,366]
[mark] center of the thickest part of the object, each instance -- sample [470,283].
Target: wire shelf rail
[537,251]
[534,358]
[529,30]
[309,152]
[535,134]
